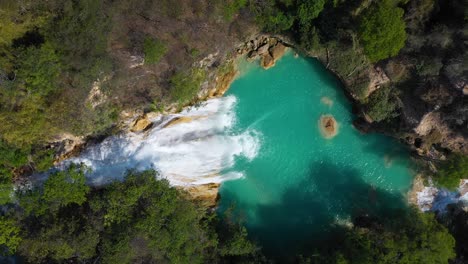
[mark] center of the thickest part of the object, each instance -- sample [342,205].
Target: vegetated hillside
[71,67]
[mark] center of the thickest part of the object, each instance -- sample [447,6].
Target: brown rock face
[206,194]
[328,126]
[224,82]
[277,51]
[267,61]
[141,124]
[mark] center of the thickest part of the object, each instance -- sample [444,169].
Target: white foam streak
[193,152]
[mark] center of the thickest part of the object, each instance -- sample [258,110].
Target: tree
[309,10]
[451,171]
[382,104]
[149,220]
[66,187]
[9,236]
[382,30]
[412,237]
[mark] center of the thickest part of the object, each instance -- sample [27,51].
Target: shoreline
[139,122]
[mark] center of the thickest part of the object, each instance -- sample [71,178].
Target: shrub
[382,104]
[451,171]
[184,86]
[232,7]
[382,30]
[154,50]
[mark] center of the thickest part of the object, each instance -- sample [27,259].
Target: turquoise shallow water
[300,186]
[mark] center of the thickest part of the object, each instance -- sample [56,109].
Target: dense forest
[53,55]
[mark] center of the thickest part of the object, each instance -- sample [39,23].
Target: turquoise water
[300,186]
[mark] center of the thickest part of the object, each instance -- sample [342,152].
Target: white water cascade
[193,152]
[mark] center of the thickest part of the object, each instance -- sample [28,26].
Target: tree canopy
[382,30]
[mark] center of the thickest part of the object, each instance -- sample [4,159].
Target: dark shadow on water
[307,217]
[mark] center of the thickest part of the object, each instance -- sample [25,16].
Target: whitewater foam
[192,152]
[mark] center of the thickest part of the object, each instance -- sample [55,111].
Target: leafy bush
[412,238]
[382,30]
[9,236]
[273,19]
[231,7]
[451,171]
[309,10]
[154,50]
[184,86]
[38,69]
[382,104]
[142,219]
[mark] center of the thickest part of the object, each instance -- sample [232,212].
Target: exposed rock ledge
[267,49]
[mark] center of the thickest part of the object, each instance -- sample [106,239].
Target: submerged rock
[328,126]
[326,101]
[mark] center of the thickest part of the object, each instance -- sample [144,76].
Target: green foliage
[79,33]
[382,30]
[451,171]
[382,104]
[16,18]
[154,50]
[232,7]
[272,18]
[39,68]
[309,10]
[65,187]
[10,157]
[148,210]
[413,238]
[184,86]
[141,219]
[9,236]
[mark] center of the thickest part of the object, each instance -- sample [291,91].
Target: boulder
[141,124]
[263,49]
[277,51]
[267,61]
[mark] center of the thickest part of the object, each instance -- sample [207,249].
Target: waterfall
[195,149]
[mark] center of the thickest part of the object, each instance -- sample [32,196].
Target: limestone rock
[206,194]
[267,61]
[181,120]
[141,124]
[377,78]
[328,126]
[277,51]
[263,49]
[224,82]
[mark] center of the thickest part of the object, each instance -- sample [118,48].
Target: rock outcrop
[141,124]
[267,49]
[206,194]
[328,126]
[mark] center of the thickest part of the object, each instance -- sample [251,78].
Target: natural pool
[301,186]
[262,140]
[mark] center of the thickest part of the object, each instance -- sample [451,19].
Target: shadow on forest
[310,218]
